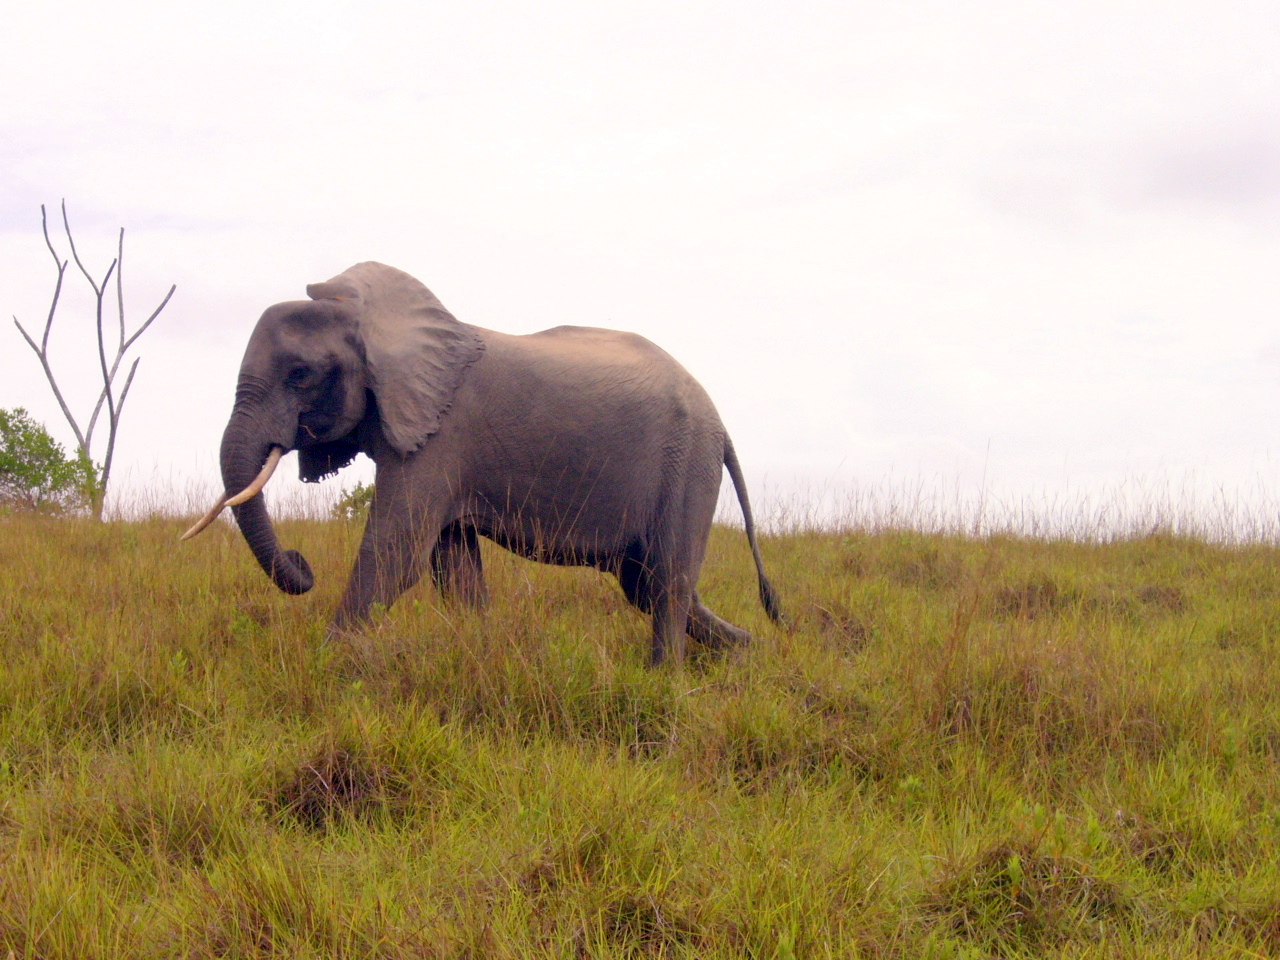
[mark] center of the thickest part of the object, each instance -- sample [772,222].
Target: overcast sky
[1036,243]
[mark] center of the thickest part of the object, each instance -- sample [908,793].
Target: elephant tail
[768,596]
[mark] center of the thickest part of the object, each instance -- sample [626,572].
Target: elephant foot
[714,632]
[338,635]
[347,634]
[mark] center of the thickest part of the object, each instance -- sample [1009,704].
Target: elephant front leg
[390,561]
[456,566]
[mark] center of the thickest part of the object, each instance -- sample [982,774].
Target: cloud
[1240,171]
[1076,181]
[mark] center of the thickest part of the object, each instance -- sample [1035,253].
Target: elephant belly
[582,523]
[544,550]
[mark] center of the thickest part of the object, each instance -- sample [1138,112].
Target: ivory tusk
[252,490]
[207,519]
[260,481]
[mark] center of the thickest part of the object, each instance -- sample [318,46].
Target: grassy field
[962,748]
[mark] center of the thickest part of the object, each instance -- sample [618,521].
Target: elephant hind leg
[671,579]
[702,623]
[654,583]
[671,605]
[456,567]
[715,632]
[634,578]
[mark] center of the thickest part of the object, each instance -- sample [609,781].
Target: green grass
[963,747]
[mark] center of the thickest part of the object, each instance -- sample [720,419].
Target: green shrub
[354,504]
[35,471]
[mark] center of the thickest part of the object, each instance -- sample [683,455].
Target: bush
[35,471]
[354,505]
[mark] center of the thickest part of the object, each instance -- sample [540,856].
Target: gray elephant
[574,445]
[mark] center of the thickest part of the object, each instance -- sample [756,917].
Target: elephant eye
[298,375]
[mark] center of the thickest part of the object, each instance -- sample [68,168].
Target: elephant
[571,446]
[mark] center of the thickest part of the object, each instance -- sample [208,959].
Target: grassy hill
[963,748]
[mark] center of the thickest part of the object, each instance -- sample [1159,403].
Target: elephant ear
[416,350]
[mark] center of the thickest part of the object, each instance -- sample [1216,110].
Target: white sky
[1034,242]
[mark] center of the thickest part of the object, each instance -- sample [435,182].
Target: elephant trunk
[243,453]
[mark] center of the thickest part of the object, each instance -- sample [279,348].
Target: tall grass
[967,745]
[1185,505]
[1135,506]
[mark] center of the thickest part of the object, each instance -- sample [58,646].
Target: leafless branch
[154,313]
[127,381]
[102,397]
[120,286]
[102,357]
[111,438]
[48,372]
[57,290]
[114,405]
[66,225]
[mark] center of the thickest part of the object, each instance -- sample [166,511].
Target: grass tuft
[1013,897]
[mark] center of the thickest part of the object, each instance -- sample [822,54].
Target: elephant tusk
[252,490]
[260,481]
[207,519]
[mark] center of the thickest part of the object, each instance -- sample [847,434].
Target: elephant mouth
[316,424]
[313,429]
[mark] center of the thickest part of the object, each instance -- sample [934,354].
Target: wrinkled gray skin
[574,445]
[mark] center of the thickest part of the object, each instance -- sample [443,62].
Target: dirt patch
[1256,924]
[1014,900]
[924,566]
[1158,847]
[1033,599]
[336,785]
[1164,597]
[642,924]
[837,623]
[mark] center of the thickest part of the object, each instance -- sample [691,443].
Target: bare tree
[113,402]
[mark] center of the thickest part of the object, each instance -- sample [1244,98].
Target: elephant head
[372,350]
